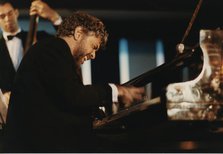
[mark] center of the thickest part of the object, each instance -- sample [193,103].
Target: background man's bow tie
[19,35]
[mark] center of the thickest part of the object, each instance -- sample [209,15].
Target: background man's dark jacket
[7,70]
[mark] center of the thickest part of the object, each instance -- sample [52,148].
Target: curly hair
[88,22]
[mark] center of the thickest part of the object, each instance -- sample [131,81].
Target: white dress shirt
[15,48]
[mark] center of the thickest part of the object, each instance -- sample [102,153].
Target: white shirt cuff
[114,92]
[58,21]
[115,105]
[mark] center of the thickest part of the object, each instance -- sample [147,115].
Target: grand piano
[186,117]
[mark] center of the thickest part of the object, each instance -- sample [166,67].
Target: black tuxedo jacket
[7,70]
[50,109]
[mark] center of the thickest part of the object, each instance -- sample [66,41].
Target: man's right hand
[42,9]
[129,94]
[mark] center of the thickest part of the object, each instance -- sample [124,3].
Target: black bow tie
[19,35]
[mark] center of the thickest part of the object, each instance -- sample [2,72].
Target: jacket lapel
[4,55]
[24,36]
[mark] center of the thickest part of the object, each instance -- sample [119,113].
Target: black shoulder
[1,36]
[43,35]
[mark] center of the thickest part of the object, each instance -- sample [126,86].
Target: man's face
[8,18]
[87,48]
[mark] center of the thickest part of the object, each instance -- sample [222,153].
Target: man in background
[12,43]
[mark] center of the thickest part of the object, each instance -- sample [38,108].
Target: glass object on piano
[201,98]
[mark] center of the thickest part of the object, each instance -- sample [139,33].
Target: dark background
[140,20]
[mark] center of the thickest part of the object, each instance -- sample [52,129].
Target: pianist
[50,109]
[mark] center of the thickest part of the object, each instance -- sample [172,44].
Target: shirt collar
[5,34]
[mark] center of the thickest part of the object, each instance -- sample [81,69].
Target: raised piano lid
[178,62]
[201,98]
